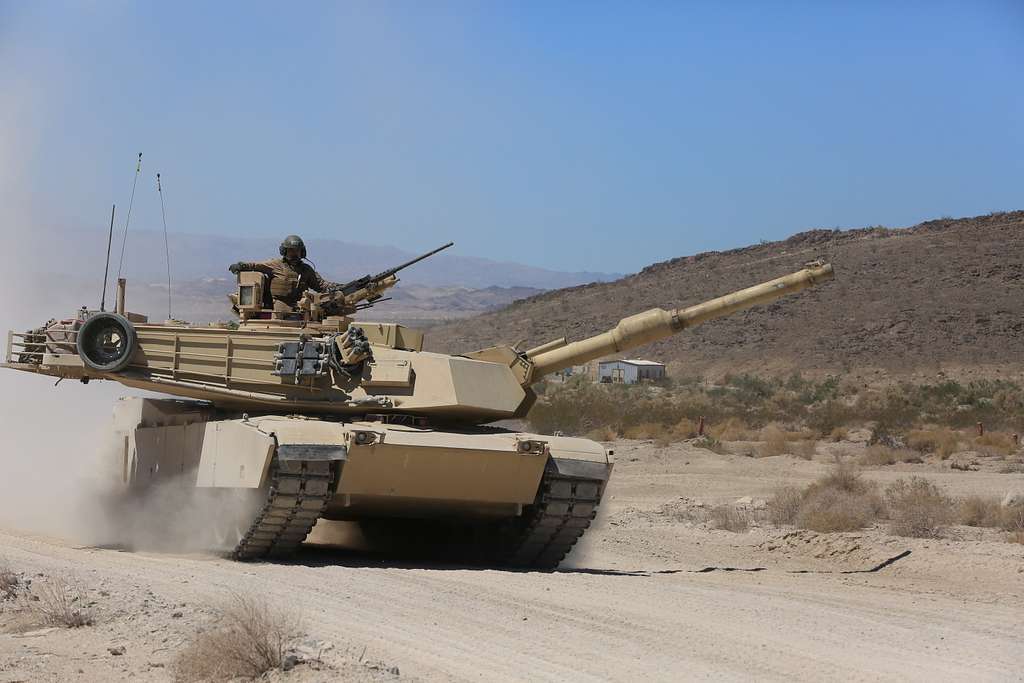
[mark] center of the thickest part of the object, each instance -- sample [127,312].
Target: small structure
[629,371]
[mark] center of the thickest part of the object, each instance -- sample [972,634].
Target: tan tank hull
[363,471]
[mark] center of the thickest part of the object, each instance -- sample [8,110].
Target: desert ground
[652,592]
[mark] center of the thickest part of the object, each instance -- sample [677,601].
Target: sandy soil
[647,595]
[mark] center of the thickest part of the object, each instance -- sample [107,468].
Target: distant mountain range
[197,257]
[444,287]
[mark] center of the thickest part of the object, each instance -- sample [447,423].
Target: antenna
[167,250]
[106,268]
[127,220]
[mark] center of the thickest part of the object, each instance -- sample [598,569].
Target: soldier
[289,275]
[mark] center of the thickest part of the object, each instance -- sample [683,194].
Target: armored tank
[313,415]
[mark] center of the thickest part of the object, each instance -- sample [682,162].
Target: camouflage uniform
[288,281]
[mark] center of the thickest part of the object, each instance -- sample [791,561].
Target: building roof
[634,362]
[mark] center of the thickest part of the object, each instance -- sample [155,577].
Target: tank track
[298,494]
[549,528]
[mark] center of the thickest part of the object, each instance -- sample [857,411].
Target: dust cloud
[51,437]
[59,466]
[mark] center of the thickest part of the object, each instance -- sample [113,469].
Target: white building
[629,371]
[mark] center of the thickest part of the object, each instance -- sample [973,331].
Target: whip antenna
[106,268]
[167,249]
[127,220]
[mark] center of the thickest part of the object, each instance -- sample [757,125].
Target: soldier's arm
[265,267]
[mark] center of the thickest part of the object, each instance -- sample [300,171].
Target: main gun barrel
[657,323]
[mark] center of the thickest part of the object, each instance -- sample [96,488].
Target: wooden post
[981,429]
[1016,439]
[700,426]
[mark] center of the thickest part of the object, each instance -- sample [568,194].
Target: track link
[563,510]
[298,494]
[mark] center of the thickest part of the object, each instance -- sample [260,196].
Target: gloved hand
[235,268]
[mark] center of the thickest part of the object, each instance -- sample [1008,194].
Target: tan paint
[430,465]
[235,454]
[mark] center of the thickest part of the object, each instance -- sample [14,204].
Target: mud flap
[581,469]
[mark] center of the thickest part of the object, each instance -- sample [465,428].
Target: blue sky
[572,135]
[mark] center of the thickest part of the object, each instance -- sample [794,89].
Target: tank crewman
[289,275]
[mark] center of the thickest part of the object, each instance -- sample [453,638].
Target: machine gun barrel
[359,283]
[657,323]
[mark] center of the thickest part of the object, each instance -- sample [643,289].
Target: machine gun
[363,292]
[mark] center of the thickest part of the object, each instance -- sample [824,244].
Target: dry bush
[661,434]
[710,443]
[9,583]
[979,511]
[775,441]
[918,508]
[645,430]
[778,441]
[250,640]
[995,443]
[1012,520]
[839,434]
[684,429]
[840,501]
[879,455]
[805,449]
[784,505]
[728,518]
[59,601]
[941,441]
[730,429]
[602,434]
[832,511]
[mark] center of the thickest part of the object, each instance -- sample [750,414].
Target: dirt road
[638,601]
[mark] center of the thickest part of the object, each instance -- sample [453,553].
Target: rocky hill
[944,295]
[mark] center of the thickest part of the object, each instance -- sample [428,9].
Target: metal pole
[106,268]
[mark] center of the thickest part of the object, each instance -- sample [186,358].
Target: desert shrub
[979,511]
[710,443]
[728,518]
[59,602]
[779,441]
[838,434]
[9,583]
[602,434]
[918,508]
[785,505]
[730,429]
[840,501]
[878,455]
[250,640]
[579,406]
[645,430]
[830,511]
[685,428]
[1012,520]
[995,443]
[774,439]
[805,448]
[941,441]
[830,416]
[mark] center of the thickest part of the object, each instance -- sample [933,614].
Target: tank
[312,415]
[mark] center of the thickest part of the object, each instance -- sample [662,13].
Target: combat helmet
[293,242]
